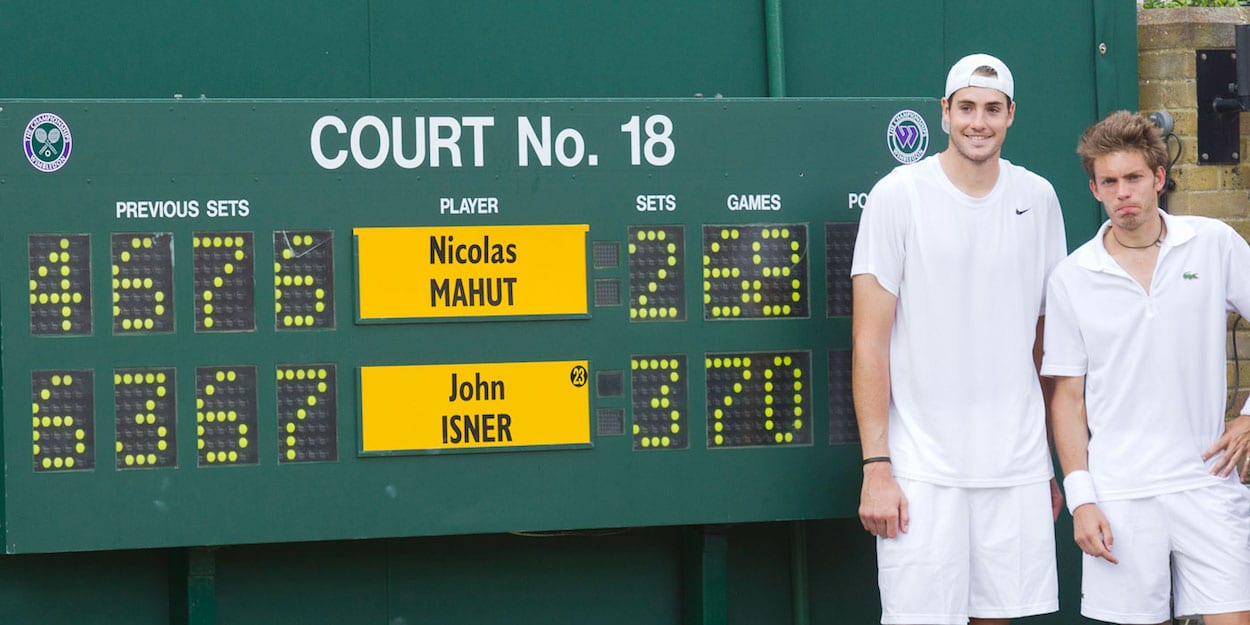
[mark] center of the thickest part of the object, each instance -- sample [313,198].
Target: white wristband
[1078,490]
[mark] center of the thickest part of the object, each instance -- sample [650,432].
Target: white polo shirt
[1154,363]
[969,274]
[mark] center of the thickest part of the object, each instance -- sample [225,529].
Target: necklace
[1158,240]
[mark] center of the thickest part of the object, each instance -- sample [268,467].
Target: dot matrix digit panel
[758,399]
[224,289]
[303,279]
[842,425]
[225,415]
[60,284]
[839,251]
[63,408]
[146,415]
[307,413]
[143,278]
[659,401]
[656,292]
[752,272]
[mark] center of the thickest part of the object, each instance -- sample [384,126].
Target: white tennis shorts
[1205,532]
[970,552]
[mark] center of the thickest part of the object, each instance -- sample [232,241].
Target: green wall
[543,49]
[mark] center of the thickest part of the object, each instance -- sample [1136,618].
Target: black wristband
[868,461]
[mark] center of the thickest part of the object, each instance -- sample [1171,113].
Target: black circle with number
[578,376]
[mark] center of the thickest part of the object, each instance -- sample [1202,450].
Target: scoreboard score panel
[287,321]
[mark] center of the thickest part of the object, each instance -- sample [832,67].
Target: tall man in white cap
[1136,342]
[949,277]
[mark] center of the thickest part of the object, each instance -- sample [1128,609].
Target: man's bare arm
[883,507]
[1090,528]
[1048,390]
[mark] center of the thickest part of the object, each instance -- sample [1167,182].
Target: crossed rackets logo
[48,138]
[47,142]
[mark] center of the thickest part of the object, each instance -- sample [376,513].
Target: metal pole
[775,49]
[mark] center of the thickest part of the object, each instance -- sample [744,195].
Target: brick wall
[1166,40]
[1166,43]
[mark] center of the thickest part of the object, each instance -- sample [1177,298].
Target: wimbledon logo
[47,142]
[907,137]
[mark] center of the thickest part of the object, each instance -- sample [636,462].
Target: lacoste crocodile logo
[1189,275]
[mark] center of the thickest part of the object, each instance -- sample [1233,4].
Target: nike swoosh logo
[1021,212]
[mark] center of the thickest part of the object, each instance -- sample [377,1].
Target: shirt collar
[1095,257]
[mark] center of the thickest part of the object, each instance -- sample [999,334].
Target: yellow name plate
[493,405]
[471,271]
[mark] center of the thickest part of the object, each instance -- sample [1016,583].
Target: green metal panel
[759,575]
[193,586]
[705,576]
[549,48]
[1115,34]
[861,48]
[151,49]
[806,160]
[617,577]
[102,588]
[327,582]
[843,572]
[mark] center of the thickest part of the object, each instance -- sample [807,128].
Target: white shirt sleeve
[1236,272]
[881,244]
[1063,347]
[1056,239]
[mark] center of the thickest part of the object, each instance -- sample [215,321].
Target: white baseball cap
[963,74]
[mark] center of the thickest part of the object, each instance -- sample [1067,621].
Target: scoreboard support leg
[799,591]
[192,586]
[705,565]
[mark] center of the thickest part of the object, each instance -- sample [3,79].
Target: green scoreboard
[228,322]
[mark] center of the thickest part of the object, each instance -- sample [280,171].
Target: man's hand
[882,504]
[1093,532]
[1056,499]
[1235,443]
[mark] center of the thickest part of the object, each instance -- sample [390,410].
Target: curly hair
[1122,131]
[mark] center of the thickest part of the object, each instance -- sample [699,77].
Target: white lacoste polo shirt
[1154,361]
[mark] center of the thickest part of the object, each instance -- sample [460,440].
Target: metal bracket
[1219,129]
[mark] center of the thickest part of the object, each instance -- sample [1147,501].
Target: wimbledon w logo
[907,137]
